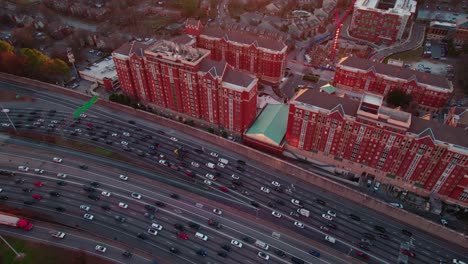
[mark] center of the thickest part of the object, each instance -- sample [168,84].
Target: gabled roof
[137,47]
[270,126]
[238,78]
[326,101]
[244,37]
[395,71]
[215,68]
[452,135]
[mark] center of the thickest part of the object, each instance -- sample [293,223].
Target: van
[210,165]
[330,239]
[376,186]
[201,236]
[261,244]
[223,160]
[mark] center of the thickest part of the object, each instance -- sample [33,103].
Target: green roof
[271,124]
[329,89]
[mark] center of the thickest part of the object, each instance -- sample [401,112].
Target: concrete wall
[253,155]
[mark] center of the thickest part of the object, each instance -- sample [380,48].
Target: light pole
[6,111]
[18,255]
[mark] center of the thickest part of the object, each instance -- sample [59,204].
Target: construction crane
[339,24]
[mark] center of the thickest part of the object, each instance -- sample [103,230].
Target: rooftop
[452,135]
[173,51]
[406,74]
[238,80]
[101,70]
[216,68]
[270,126]
[314,98]
[392,6]
[137,47]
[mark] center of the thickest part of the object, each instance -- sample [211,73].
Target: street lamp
[18,255]
[6,111]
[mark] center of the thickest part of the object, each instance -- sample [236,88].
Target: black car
[151,208]
[355,217]
[174,250]
[160,204]
[175,196]
[3,197]
[179,227]
[95,184]
[53,193]
[280,253]
[127,254]
[248,239]
[254,204]
[222,254]
[406,232]
[61,183]
[280,202]
[19,181]
[142,236]
[105,207]
[131,122]
[332,226]
[109,121]
[83,166]
[239,168]
[226,247]
[237,182]
[380,229]
[384,236]
[272,204]
[138,129]
[201,252]
[93,197]
[121,219]
[278,189]
[364,246]
[73,134]
[161,132]
[109,142]
[194,225]
[241,162]
[29,202]
[369,236]
[60,209]
[27,190]
[89,189]
[199,151]
[321,202]
[149,216]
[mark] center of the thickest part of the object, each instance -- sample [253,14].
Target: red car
[189,173]
[38,183]
[362,254]
[407,252]
[37,196]
[183,235]
[224,189]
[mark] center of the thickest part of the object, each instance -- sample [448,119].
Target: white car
[83,115]
[40,171]
[221,165]
[214,154]
[174,139]
[136,196]
[114,134]
[331,213]
[194,164]
[296,202]
[5,125]
[207,182]
[58,160]
[77,130]
[99,247]
[156,226]
[210,176]
[263,255]
[62,175]
[1,190]
[126,134]
[235,177]
[85,207]
[217,211]
[276,214]
[265,190]
[124,143]
[23,168]
[299,224]
[40,120]
[105,193]
[329,218]
[152,231]
[275,183]
[236,243]
[88,216]
[163,162]
[123,205]
[123,177]
[54,122]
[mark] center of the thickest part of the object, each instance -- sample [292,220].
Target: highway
[348,234]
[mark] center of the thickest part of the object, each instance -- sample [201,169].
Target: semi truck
[303,212]
[12,220]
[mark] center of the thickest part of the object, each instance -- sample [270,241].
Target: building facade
[183,79]
[259,54]
[430,91]
[408,152]
[382,22]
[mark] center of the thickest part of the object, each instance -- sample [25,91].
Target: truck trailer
[11,220]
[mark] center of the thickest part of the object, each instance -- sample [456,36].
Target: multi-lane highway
[150,144]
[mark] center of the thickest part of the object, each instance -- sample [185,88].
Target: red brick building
[185,80]
[430,91]
[382,22]
[253,52]
[408,152]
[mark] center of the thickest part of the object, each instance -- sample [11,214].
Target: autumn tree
[6,47]
[25,37]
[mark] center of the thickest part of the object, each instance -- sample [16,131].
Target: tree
[25,37]
[399,98]
[12,63]
[59,68]
[6,47]
[224,134]
[211,130]
[34,58]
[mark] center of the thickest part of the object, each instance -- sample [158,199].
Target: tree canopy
[399,98]
[6,47]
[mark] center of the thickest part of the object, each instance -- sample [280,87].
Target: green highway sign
[85,106]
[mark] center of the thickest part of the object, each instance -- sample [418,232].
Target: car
[299,224]
[296,202]
[38,184]
[142,236]
[367,241]
[174,196]
[328,217]
[37,197]
[362,254]
[236,243]
[221,165]
[151,208]
[194,225]
[210,176]
[95,184]
[88,189]
[149,216]
[163,162]
[174,139]
[324,228]
[85,207]
[173,250]
[88,216]
[263,255]
[182,235]
[123,205]
[23,168]
[30,202]
[40,171]
[240,168]
[380,229]
[114,134]
[214,154]
[275,183]
[19,181]
[254,204]
[457,261]
[321,202]
[54,193]
[93,197]
[241,162]
[276,214]
[331,213]
[121,219]
[207,182]
[223,189]
[58,160]
[126,134]
[60,209]
[248,239]
[27,190]
[369,236]
[280,253]
[406,232]
[217,211]
[399,205]
[355,217]
[127,254]
[159,203]
[83,167]
[62,175]
[105,193]
[235,177]
[222,254]
[294,214]
[123,177]
[156,226]
[314,253]
[124,143]
[443,222]
[407,252]
[195,164]
[332,226]
[201,252]
[264,189]
[136,196]
[364,246]
[179,227]
[384,236]
[100,248]
[152,231]
[226,247]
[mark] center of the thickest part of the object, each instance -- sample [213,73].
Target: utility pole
[18,255]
